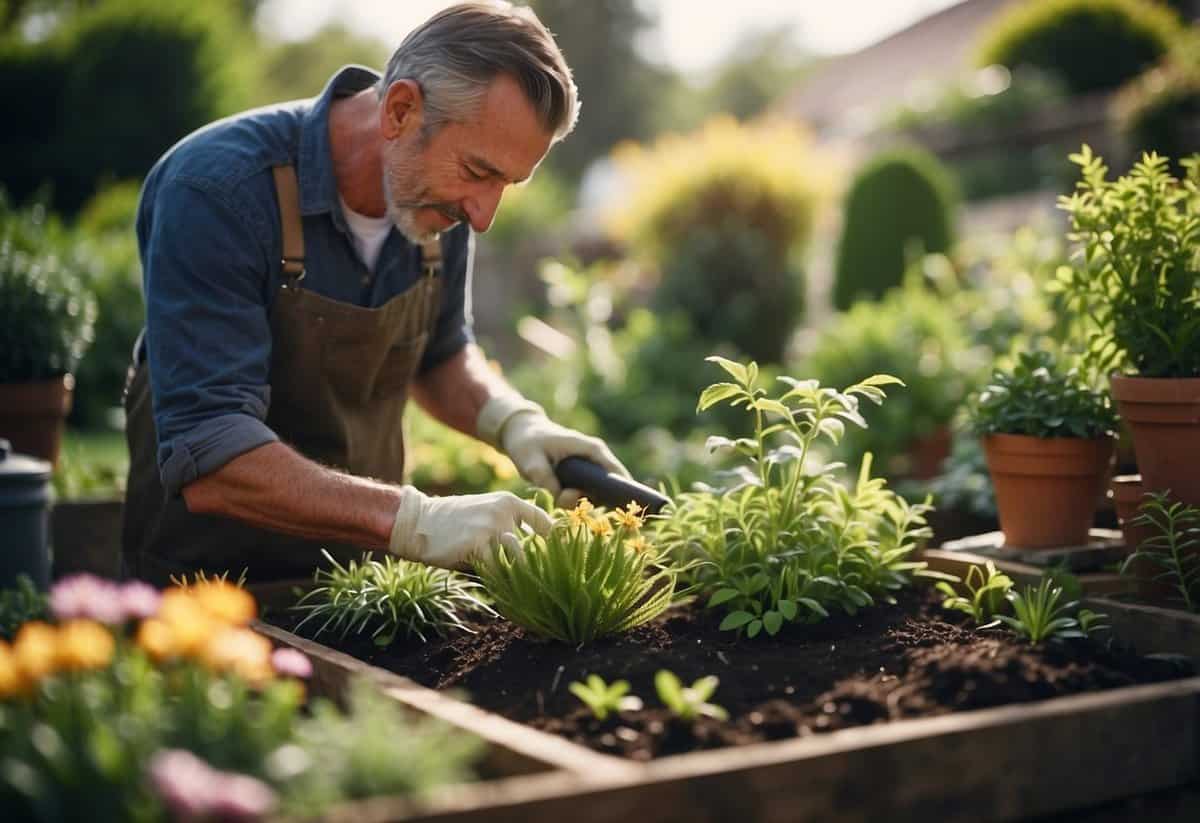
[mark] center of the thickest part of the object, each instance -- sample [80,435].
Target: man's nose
[481,207]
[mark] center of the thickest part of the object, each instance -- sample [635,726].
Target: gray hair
[455,55]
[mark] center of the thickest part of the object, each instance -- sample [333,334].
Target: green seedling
[604,699]
[987,589]
[1038,614]
[1174,547]
[691,702]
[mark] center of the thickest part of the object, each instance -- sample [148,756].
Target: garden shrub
[915,334]
[725,214]
[1091,44]
[900,204]
[122,83]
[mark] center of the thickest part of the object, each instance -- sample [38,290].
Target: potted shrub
[46,321]
[1136,281]
[1049,441]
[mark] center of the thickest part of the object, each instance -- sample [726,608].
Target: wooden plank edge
[524,749]
[1151,629]
[957,562]
[1064,743]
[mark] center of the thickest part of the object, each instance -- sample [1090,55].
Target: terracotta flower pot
[32,415]
[1047,488]
[927,454]
[1164,416]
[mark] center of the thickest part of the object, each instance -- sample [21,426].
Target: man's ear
[403,110]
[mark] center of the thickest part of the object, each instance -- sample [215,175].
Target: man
[307,266]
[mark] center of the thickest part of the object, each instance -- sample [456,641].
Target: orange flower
[36,650]
[600,526]
[629,517]
[242,652]
[225,601]
[84,645]
[12,681]
[156,638]
[190,624]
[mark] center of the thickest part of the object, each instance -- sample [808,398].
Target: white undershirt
[369,233]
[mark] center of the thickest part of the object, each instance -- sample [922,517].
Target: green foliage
[785,541]
[1038,615]
[1173,548]
[389,598]
[688,702]
[987,99]
[111,89]
[441,460]
[724,214]
[900,205]
[376,748]
[46,314]
[294,69]
[915,334]
[593,576]
[530,210]
[1036,398]
[19,605]
[964,484]
[987,589]
[1136,274]
[1090,44]
[604,699]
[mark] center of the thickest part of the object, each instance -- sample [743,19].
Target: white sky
[692,34]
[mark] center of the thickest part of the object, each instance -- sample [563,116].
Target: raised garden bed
[1078,726]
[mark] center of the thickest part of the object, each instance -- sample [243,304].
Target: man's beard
[405,193]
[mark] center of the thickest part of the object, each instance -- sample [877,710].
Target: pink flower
[191,789]
[88,597]
[291,663]
[139,600]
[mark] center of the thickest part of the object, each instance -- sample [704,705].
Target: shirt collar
[314,168]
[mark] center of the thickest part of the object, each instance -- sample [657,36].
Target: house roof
[933,49]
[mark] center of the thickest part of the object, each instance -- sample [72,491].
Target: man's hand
[450,531]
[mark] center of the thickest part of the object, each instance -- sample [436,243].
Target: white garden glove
[450,531]
[535,443]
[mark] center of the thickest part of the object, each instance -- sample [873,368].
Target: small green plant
[604,699]
[1037,398]
[688,702]
[783,541]
[19,605]
[987,589]
[593,575]
[391,597]
[1133,278]
[1038,615]
[1174,547]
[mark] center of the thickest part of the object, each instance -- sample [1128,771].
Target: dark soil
[891,662]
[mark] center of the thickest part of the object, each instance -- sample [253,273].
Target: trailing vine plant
[786,541]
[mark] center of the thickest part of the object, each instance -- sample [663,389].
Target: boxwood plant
[786,541]
[391,597]
[595,574]
[1037,398]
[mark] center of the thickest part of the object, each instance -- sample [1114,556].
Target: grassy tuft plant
[594,575]
[604,699]
[688,702]
[1174,548]
[1038,615]
[987,589]
[782,541]
[391,597]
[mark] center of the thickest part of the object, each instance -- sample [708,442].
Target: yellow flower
[225,601]
[600,526]
[639,544]
[584,506]
[156,638]
[242,652]
[190,624]
[629,517]
[84,645]
[578,519]
[12,682]
[36,650]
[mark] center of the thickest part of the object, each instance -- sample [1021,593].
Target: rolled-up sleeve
[454,327]
[208,337]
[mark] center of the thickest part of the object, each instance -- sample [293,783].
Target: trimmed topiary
[900,204]
[1091,44]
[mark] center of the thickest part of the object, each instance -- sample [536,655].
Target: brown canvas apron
[339,381]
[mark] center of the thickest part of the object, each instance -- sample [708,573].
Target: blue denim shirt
[208,232]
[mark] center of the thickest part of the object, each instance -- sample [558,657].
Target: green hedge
[900,204]
[1090,44]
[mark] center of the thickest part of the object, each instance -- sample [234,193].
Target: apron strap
[287,192]
[431,257]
